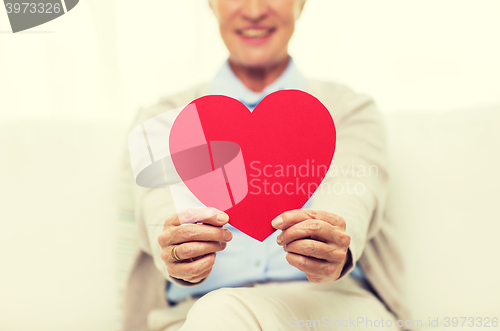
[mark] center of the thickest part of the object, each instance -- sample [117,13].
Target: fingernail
[279,239]
[222,217]
[227,235]
[277,222]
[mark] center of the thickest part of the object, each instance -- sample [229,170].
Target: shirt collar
[226,83]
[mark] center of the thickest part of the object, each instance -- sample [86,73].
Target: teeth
[255,33]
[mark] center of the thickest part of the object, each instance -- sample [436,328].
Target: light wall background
[107,58]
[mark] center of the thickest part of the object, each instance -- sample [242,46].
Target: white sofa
[58,244]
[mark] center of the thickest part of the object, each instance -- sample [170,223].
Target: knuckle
[194,270]
[309,246]
[172,270]
[197,269]
[301,262]
[330,270]
[188,232]
[339,255]
[191,269]
[345,240]
[164,255]
[330,251]
[293,232]
[313,227]
[194,279]
[313,278]
[311,213]
[342,222]
[164,237]
[187,250]
[169,221]
[161,239]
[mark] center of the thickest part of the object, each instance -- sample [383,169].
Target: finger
[191,269]
[317,249]
[315,229]
[199,232]
[200,277]
[172,220]
[207,215]
[193,250]
[311,265]
[292,217]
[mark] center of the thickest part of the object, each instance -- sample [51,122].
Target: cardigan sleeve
[356,184]
[152,206]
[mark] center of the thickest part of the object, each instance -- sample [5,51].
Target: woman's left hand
[316,242]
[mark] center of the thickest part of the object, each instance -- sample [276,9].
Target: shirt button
[257,263]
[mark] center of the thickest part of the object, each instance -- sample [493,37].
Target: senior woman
[333,262]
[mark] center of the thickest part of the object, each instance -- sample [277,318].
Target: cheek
[285,33]
[288,30]
[227,24]
[227,33]
[224,31]
[286,18]
[230,39]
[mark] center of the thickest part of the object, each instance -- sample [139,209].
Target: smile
[255,32]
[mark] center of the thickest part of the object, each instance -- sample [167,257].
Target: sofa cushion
[445,192]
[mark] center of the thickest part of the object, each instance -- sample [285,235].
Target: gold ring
[174,254]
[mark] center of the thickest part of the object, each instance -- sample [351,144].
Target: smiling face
[257,32]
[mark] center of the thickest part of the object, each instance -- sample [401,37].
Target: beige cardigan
[361,142]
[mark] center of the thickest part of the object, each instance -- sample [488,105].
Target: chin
[256,60]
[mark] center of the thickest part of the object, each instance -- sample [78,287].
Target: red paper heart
[288,142]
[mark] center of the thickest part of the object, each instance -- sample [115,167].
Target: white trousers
[297,305]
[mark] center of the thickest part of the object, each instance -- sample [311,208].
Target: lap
[282,306]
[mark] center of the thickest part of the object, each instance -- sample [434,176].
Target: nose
[254,10]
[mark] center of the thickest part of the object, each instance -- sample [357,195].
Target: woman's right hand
[189,250]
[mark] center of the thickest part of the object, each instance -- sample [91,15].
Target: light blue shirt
[245,259]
